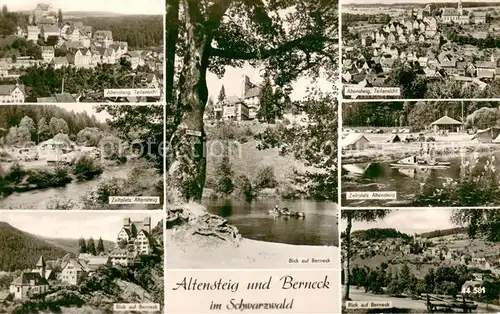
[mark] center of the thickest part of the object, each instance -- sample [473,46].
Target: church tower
[41,266]
[459,8]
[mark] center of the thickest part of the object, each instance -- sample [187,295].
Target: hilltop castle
[242,107]
[134,240]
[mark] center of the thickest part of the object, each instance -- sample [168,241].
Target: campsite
[53,158]
[415,156]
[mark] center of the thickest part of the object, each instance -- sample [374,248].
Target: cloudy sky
[73,225]
[115,6]
[233,80]
[411,221]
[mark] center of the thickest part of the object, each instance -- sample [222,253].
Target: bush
[107,189]
[471,189]
[243,187]
[47,179]
[86,168]
[270,138]
[265,178]
[16,174]
[224,175]
[231,131]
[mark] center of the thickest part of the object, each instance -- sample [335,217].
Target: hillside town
[444,251]
[435,46]
[133,241]
[441,271]
[70,44]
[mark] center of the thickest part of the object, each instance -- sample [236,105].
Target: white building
[10,94]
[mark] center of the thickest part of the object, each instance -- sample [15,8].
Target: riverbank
[132,178]
[198,239]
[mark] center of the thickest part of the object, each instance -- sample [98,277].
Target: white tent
[355,141]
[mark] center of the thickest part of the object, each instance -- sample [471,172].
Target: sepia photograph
[87,157]
[427,153]
[251,154]
[420,49]
[71,262]
[421,261]
[93,51]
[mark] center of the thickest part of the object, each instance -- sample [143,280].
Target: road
[401,303]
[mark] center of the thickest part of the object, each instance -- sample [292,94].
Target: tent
[394,139]
[446,123]
[56,145]
[488,135]
[496,140]
[355,141]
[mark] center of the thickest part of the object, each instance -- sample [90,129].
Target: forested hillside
[12,116]
[419,115]
[21,250]
[379,234]
[444,232]
[139,31]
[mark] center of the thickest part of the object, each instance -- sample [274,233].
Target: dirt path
[400,303]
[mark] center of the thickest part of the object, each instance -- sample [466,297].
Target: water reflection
[407,182]
[319,227]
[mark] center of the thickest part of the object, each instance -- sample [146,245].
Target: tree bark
[347,242]
[187,172]
[172,29]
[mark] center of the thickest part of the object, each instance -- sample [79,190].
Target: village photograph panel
[55,51]
[73,262]
[252,153]
[420,154]
[420,49]
[431,260]
[92,156]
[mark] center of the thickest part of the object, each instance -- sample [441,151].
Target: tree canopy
[288,38]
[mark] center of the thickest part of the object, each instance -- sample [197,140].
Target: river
[319,227]
[40,199]
[379,176]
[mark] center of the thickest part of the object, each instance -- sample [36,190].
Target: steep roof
[65,98]
[445,120]
[47,48]
[103,33]
[127,231]
[41,262]
[9,88]
[252,92]
[353,138]
[29,279]
[50,28]
[46,100]
[98,260]
[76,265]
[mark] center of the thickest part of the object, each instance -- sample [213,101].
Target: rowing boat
[413,162]
[287,214]
[422,166]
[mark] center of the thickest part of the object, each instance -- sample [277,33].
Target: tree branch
[299,43]
[215,13]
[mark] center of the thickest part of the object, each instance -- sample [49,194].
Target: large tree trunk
[347,243]
[172,29]
[187,169]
